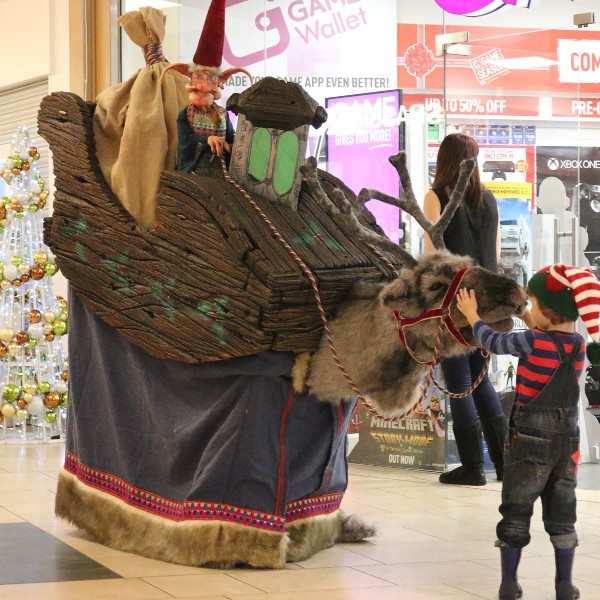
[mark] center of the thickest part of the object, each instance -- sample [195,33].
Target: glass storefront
[519,77]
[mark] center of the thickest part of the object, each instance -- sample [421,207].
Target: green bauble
[16,260]
[59,327]
[50,269]
[50,416]
[11,392]
[44,387]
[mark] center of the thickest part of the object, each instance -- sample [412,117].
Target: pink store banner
[363,131]
[330,47]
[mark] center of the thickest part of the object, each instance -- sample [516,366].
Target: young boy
[542,449]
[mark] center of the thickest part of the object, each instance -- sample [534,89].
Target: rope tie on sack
[153,53]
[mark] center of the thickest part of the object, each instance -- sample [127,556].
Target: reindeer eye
[434,287]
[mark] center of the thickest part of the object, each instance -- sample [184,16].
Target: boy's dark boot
[495,431]
[470,451]
[509,560]
[565,590]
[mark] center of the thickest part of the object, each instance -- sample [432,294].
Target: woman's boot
[470,451]
[495,431]
[565,590]
[509,560]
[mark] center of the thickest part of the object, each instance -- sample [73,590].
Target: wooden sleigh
[211,281]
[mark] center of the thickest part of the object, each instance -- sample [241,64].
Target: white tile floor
[434,542]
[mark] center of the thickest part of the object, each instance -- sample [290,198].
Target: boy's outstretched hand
[466,302]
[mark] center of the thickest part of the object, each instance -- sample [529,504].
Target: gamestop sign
[579,61]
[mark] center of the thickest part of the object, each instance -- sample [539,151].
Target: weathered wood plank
[210,281]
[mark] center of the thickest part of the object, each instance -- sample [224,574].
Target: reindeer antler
[340,208]
[411,206]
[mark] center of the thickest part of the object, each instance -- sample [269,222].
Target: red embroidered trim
[191,510]
[198,510]
[311,507]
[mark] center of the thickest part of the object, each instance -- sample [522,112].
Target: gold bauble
[52,399]
[7,334]
[14,348]
[22,337]
[8,410]
[30,386]
[36,272]
[34,316]
[40,257]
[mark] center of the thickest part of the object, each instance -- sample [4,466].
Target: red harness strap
[441,312]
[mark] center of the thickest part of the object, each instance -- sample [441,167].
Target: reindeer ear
[397,295]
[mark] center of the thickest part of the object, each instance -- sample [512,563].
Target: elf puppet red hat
[572,292]
[209,53]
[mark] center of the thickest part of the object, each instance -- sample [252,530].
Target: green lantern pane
[286,163]
[259,154]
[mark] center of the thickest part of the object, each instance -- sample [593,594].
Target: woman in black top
[473,231]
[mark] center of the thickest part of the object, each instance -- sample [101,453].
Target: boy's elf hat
[209,53]
[572,292]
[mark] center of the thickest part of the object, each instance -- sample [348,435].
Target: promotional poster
[417,440]
[362,133]
[579,170]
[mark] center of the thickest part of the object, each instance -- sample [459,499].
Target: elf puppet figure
[203,121]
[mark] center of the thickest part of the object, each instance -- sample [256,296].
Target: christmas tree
[33,369]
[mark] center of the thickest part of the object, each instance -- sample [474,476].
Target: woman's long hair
[453,150]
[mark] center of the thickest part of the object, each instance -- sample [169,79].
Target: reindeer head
[424,287]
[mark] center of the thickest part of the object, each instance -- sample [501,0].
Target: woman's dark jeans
[459,374]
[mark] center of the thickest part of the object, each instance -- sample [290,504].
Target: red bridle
[442,312]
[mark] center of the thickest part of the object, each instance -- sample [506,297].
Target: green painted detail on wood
[286,163]
[259,154]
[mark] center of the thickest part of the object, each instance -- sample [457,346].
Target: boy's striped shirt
[538,356]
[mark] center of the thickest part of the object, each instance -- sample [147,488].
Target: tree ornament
[7,334]
[40,257]
[52,399]
[8,410]
[34,316]
[59,327]
[11,392]
[44,387]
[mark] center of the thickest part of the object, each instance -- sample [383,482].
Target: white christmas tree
[33,368]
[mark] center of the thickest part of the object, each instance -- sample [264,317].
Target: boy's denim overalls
[541,460]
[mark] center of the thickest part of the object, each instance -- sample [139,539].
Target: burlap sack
[135,122]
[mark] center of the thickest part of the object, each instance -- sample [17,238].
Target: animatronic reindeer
[186,441]
[420,305]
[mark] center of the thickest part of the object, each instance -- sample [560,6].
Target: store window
[521,77]
[524,84]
